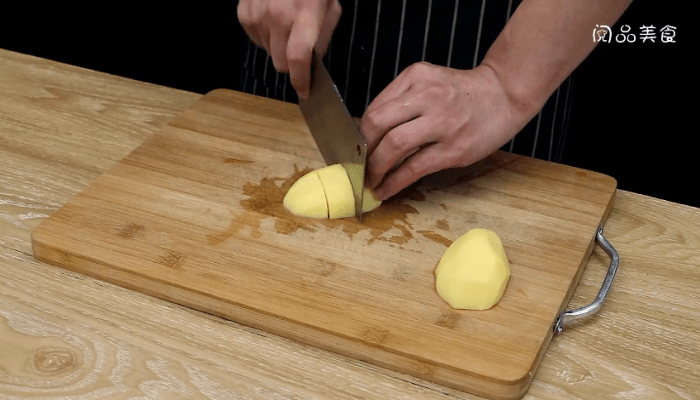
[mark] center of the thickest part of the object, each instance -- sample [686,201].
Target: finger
[279,36]
[302,38]
[398,144]
[401,84]
[279,17]
[258,11]
[378,121]
[333,13]
[245,18]
[424,162]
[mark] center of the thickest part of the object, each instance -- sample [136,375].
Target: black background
[631,115]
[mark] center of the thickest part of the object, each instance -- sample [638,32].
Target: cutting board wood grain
[194,215]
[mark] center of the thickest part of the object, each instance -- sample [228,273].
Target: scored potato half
[326,193]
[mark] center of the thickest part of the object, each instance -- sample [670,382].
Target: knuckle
[413,69]
[255,15]
[335,8]
[242,13]
[370,122]
[396,141]
[421,67]
[277,14]
[305,4]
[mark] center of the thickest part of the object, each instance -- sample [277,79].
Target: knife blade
[332,127]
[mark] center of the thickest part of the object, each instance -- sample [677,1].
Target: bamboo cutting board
[194,215]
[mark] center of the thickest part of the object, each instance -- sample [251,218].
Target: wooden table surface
[63,335]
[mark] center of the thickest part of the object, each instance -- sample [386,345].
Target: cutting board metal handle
[583,312]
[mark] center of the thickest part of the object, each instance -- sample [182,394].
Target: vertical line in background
[352,36]
[264,80]
[267,61]
[566,102]
[537,132]
[277,79]
[330,47]
[565,121]
[554,121]
[247,53]
[398,49]
[374,50]
[510,5]
[427,28]
[284,89]
[478,35]
[452,35]
[244,79]
[255,56]
[244,84]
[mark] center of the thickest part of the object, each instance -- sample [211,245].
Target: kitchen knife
[336,135]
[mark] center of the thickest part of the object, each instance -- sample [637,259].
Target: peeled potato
[474,271]
[335,198]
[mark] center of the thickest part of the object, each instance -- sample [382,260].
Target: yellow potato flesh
[473,272]
[335,195]
[336,185]
[369,202]
[306,197]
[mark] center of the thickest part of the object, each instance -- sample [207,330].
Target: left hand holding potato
[431,118]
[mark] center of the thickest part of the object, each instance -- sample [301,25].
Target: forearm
[541,45]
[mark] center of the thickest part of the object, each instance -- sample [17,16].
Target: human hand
[431,118]
[290,30]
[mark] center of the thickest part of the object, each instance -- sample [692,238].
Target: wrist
[522,102]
